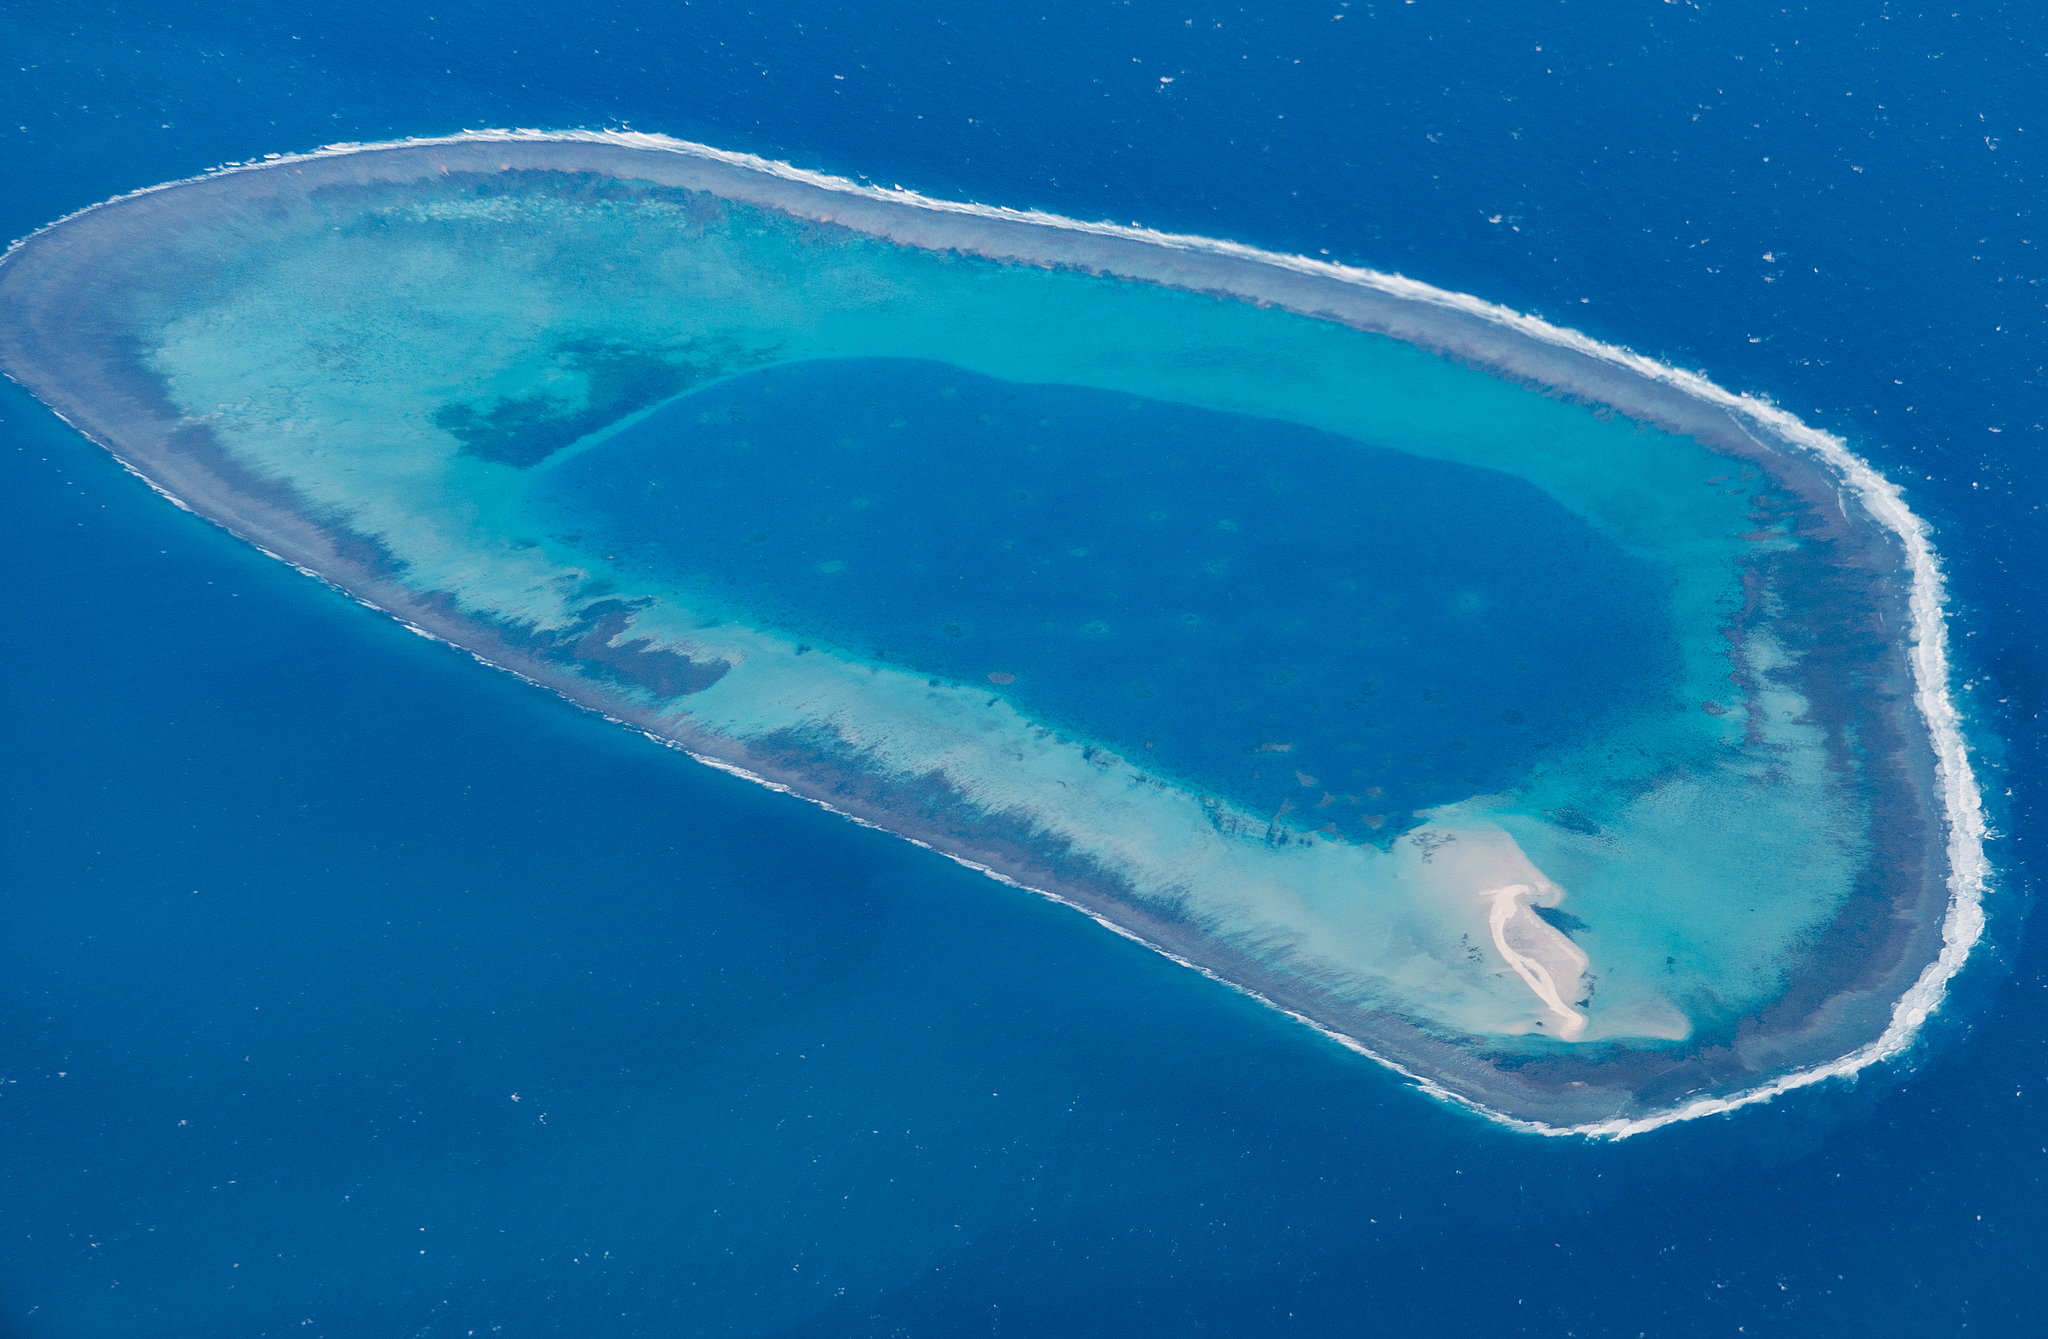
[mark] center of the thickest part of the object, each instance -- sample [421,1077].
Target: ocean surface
[353,988]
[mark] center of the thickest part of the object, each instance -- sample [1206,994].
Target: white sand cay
[1540,953]
[1485,887]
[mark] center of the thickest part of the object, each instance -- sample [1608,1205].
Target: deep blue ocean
[349,988]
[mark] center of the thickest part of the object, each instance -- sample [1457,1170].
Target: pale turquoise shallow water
[1391,681]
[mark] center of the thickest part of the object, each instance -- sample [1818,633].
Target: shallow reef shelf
[1543,721]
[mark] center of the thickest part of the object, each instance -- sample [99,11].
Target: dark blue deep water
[295,903]
[1197,590]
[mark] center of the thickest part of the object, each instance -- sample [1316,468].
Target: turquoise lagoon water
[1476,724]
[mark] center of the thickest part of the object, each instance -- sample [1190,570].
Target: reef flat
[1543,721]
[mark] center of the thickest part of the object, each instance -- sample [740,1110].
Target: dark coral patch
[525,430]
[587,645]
